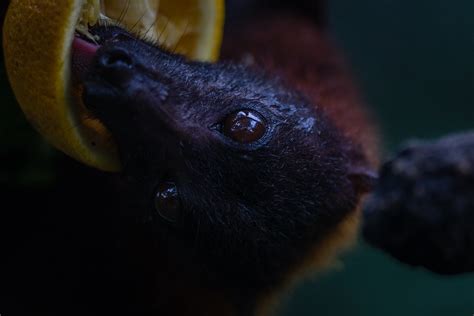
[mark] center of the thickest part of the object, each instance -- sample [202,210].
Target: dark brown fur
[131,263]
[299,50]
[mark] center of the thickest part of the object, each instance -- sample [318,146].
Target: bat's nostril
[116,59]
[116,66]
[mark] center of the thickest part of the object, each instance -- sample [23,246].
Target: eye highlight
[167,202]
[244,126]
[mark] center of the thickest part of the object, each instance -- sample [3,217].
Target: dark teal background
[415,63]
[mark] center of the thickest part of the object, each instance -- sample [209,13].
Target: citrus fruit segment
[38,39]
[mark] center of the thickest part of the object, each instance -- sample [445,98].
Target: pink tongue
[83,53]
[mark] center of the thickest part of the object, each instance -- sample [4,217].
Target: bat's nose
[116,65]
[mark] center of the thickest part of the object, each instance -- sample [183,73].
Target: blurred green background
[414,60]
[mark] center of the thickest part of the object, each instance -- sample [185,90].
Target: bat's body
[238,179]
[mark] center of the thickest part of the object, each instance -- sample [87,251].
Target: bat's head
[240,174]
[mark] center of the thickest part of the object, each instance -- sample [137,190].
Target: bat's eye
[244,126]
[167,202]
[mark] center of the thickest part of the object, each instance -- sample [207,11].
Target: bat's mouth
[120,78]
[87,54]
[84,48]
[83,53]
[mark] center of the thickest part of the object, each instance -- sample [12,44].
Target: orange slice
[38,35]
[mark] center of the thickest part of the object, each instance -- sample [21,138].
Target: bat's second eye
[244,126]
[167,202]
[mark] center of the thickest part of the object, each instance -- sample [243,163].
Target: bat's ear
[363,178]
